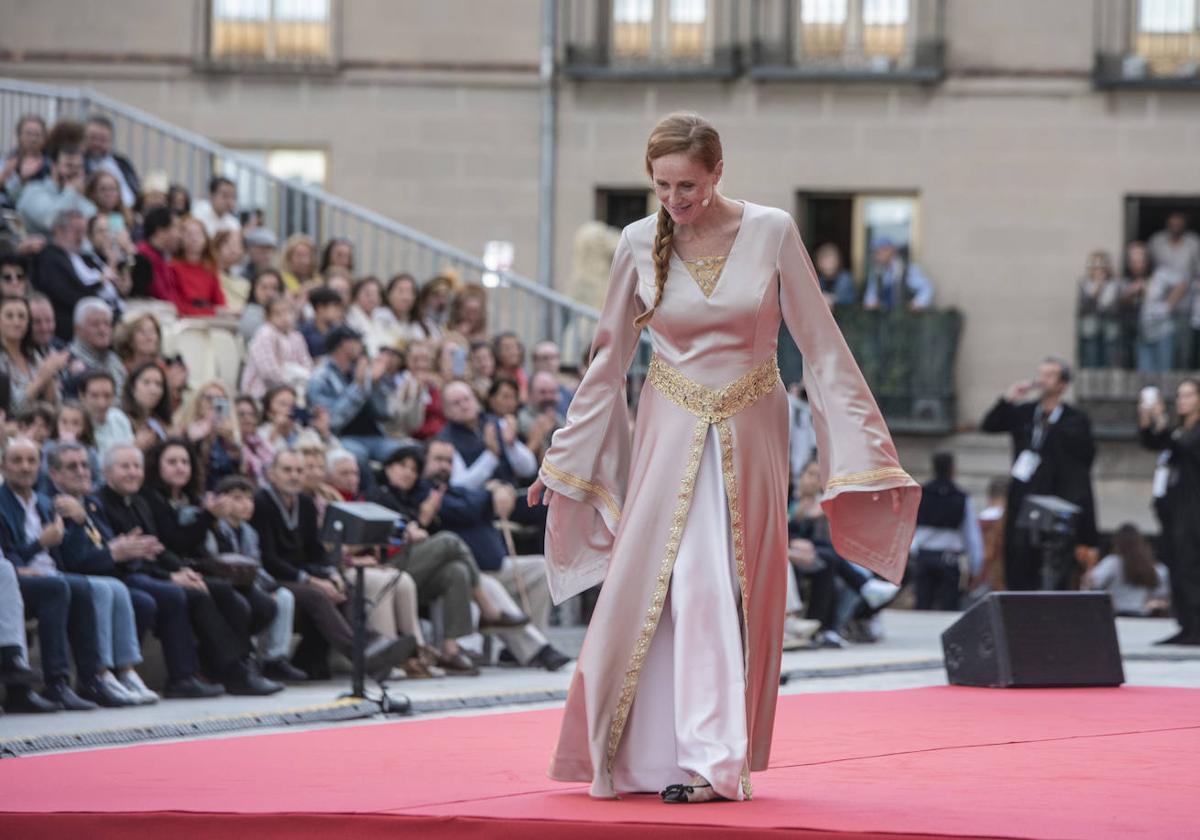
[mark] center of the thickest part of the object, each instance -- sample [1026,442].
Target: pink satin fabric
[689,716]
[616,498]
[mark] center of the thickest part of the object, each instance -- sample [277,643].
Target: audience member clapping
[31,374]
[278,353]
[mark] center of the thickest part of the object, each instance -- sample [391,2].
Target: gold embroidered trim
[629,686]
[706,271]
[725,435]
[863,477]
[584,485]
[713,404]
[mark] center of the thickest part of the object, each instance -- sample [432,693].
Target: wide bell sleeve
[587,465]
[870,501]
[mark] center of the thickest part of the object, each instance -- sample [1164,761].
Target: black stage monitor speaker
[1035,639]
[358,523]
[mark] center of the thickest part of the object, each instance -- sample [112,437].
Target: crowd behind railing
[1146,316]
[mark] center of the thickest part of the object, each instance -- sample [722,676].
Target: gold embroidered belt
[713,404]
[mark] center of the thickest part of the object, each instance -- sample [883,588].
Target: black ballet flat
[697,791]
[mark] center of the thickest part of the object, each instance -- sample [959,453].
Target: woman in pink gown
[685,520]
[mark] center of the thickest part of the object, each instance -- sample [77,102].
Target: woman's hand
[539,493]
[200,429]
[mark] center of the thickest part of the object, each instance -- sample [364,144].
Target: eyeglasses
[79,466]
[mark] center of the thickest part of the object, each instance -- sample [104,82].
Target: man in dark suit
[89,547]
[66,275]
[30,531]
[288,528]
[222,648]
[1053,452]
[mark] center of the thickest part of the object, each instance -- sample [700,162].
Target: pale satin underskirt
[689,714]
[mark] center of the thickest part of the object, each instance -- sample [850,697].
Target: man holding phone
[1053,452]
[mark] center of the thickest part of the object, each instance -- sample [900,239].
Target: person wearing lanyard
[1053,452]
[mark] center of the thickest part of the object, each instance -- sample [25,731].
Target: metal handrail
[517,303]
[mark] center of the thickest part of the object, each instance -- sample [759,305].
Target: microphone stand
[400,705]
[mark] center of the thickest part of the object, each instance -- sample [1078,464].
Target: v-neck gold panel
[706,271]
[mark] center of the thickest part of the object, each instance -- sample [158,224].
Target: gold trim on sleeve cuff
[864,477]
[586,486]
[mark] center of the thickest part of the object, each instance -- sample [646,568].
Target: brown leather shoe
[458,665]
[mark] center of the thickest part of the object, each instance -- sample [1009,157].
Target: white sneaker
[878,593]
[796,627]
[134,687]
[829,639]
[114,685]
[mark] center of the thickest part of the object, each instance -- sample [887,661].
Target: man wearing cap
[893,282]
[261,245]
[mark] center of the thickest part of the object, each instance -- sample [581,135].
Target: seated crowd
[134,504]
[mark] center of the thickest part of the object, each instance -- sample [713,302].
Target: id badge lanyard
[1027,462]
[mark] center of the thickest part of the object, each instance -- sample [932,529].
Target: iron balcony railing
[849,40]
[383,247]
[908,360]
[839,40]
[650,38]
[1147,43]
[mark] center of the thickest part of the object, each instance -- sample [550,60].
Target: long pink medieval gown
[685,521]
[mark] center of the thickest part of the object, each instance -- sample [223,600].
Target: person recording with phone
[1053,451]
[207,422]
[1176,492]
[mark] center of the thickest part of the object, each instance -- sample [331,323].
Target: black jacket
[124,513]
[286,552]
[55,277]
[1067,453]
[126,167]
[184,531]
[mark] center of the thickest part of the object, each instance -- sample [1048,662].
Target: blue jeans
[1155,356]
[12,609]
[276,641]
[66,623]
[116,628]
[170,623]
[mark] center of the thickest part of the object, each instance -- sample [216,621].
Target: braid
[663,239]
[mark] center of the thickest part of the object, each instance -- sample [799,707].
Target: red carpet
[922,763]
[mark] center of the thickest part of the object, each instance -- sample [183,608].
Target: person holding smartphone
[1053,451]
[207,421]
